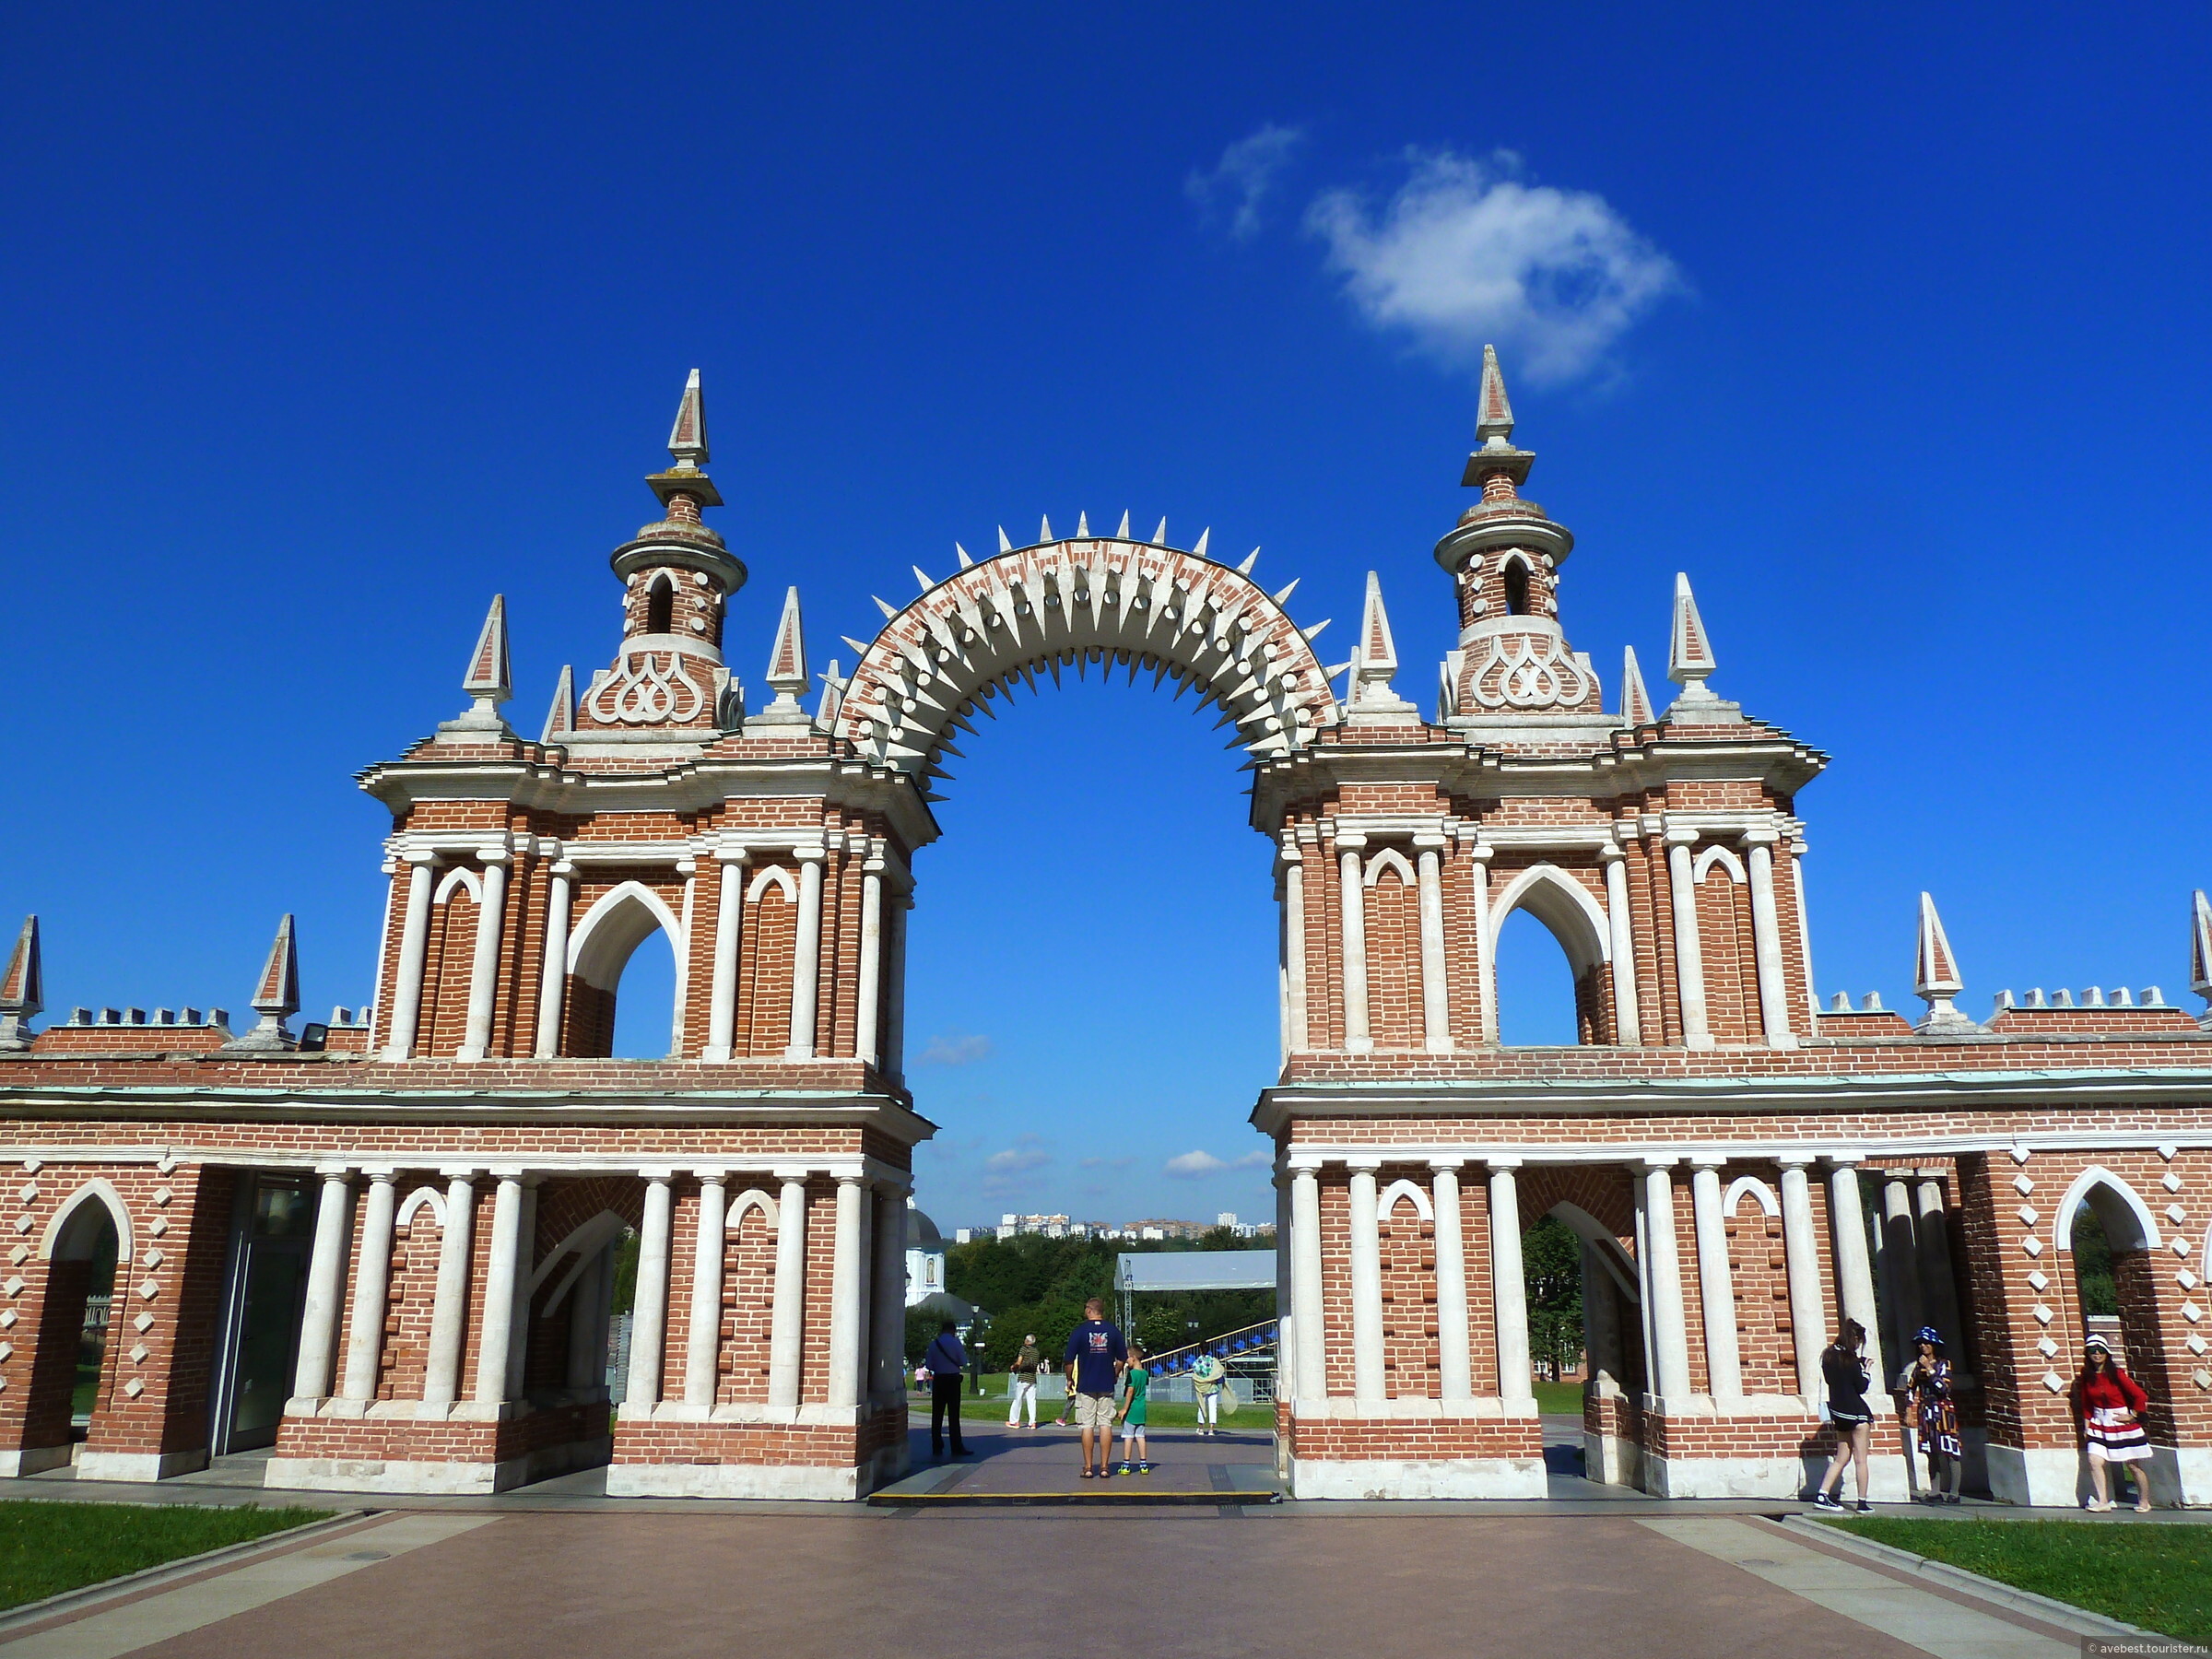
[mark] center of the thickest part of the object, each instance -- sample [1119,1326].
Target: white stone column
[1805,933]
[448,1314]
[702,1344]
[1716,1286]
[894,1022]
[649,1314]
[372,1287]
[1689,955]
[1766,940]
[378,1015]
[1801,1258]
[680,1006]
[414,947]
[325,1286]
[729,931]
[806,954]
[787,1328]
[518,1328]
[1627,1024]
[1855,1273]
[889,1359]
[1305,1282]
[1352,918]
[1453,1368]
[1486,948]
[494,1347]
[1297,1038]
[553,980]
[1368,1373]
[867,1017]
[844,1295]
[1508,1286]
[1900,1259]
[484,970]
[1938,1288]
[1663,1288]
[1436,982]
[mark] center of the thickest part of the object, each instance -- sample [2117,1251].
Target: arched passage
[600,949]
[73,1363]
[1572,916]
[2112,1241]
[1039,609]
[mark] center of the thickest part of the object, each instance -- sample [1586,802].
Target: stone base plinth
[403,1447]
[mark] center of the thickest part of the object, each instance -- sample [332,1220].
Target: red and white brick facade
[1743,1168]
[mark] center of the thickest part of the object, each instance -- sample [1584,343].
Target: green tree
[2093,1264]
[1551,1269]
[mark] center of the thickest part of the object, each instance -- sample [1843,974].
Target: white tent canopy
[1194,1270]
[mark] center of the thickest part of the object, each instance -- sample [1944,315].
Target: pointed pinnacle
[560,719]
[924,577]
[2200,945]
[1935,970]
[885,605]
[687,438]
[1283,597]
[1635,701]
[23,987]
[787,656]
[1493,414]
[1689,655]
[1160,536]
[1082,526]
[1250,558]
[1123,534]
[966,562]
[489,678]
[1313,632]
[1004,545]
[1044,527]
[1203,535]
[856,645]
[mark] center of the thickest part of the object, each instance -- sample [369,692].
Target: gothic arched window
[660,606]
[1516,588]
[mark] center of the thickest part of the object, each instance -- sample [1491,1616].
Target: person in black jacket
[1844,1367]
[946,1361]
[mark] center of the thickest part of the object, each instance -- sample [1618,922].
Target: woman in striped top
[2112,1404]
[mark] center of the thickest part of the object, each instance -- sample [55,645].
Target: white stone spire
[560,719]
[489,680]
[833,697]
[787,666]
[23,988]
[1635,701]
[2200,952]
[276,996]
[1493,412]
[688,437]
[1373,701]
[1936,973]
[1690,660]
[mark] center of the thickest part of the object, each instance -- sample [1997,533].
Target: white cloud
[952,1049]
[1015,1160]
[1241,181]
[1468,253]
[1192,1165]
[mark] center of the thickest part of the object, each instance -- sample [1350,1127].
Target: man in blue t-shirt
[1095,1356]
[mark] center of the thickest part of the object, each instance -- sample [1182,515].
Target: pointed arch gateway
[599,948]
[1093,599]
[1571,914]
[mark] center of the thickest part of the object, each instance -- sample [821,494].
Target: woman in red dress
[2111,1404]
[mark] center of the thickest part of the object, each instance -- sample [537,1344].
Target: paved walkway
[1014,1582]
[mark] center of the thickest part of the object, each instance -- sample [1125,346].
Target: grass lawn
[46,1549]
[1559,1399]
[2158,1577]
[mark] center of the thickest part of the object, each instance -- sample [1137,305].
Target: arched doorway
[73,1364]
[1571,914]
[2112,1239]
[600,949]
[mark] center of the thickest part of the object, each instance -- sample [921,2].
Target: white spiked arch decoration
[1109,600]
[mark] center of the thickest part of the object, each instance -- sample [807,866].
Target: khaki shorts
[1094,1411]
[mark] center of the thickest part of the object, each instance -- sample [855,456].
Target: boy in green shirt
[1135,1381]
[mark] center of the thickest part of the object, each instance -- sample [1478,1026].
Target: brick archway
[1113,599]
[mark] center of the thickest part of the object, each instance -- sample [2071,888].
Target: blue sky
[327,323]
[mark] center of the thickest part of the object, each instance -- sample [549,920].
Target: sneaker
[1864,1507]
[1826,1501]
[1144,1469]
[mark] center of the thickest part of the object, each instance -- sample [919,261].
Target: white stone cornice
[1551,837]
